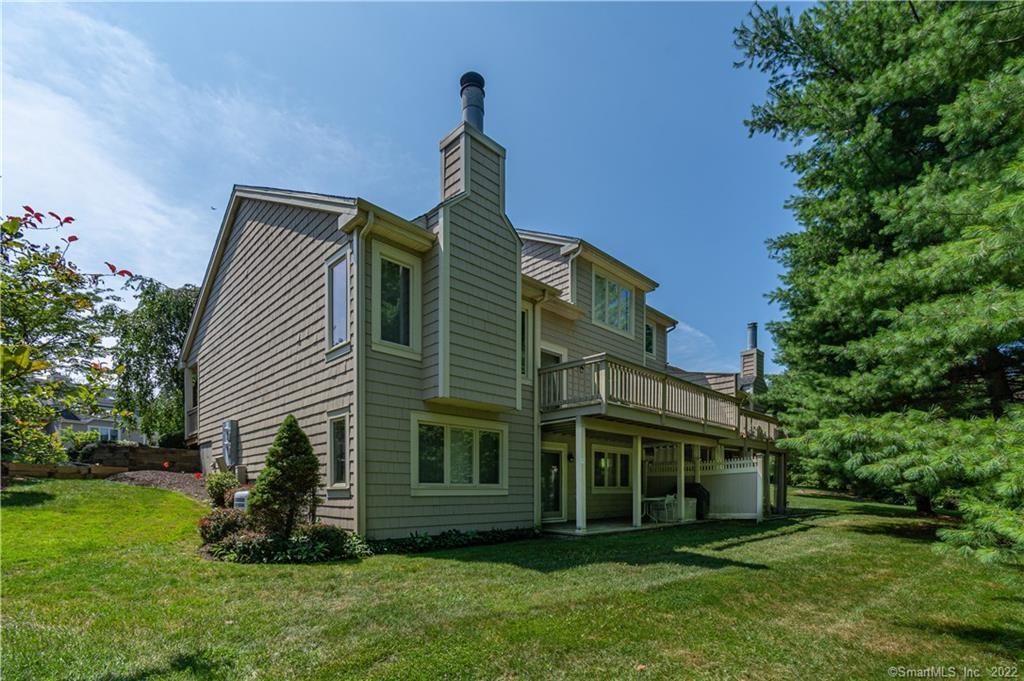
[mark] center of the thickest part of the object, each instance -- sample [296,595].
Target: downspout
[360,238]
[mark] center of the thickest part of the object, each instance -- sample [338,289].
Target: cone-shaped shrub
[285,490]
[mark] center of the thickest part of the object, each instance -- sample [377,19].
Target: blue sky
[623,125]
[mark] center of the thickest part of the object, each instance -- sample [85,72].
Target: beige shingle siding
[431,335]
[545,262]
[589,338]
[261,341]
[393,392]
[483,281]
[451,169]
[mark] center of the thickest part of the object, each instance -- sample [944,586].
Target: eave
[385,224]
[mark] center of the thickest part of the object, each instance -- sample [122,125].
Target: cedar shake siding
[260,343]
[545,262]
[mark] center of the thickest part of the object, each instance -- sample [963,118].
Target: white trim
[555,348]
[443,303]
[562,449]
[592,450]
[653,354]
[331,417]
[337,349]
[446,488]
[415,266]
[519,319]
[596,272]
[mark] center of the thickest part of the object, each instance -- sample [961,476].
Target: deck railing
[601,379]
[192,421]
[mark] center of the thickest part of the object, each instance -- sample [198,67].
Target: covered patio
[602,476]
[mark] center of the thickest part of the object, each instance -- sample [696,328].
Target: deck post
[636,464]
[581,475]
[759,487]
[681,481]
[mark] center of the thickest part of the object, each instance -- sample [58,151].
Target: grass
[102,581]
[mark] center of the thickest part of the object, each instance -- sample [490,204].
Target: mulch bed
[185,483]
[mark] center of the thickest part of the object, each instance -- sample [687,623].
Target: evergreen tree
[904,290]
[285,490]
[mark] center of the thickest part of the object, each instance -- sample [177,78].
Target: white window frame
[335,349]
[654,338]
[619,452]
[406,259]
[332,416]
[630,331]
[109,429]
[526,351]
[419,489]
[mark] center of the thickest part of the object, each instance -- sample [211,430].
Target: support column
[780,481]
[681,480]
[581,475]
[696,462]
[760,485]
[636,464]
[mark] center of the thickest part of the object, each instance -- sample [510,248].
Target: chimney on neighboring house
[752,359]
[473,99]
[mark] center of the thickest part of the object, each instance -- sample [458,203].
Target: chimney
[752,359]
[473,99]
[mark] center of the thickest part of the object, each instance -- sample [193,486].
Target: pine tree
[903,292]
[285,490]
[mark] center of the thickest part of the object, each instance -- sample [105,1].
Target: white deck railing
[601,379]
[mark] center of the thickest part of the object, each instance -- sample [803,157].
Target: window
[396,301]
[611,469]
[107,434]
[337,302]
[649,339]
[612,305]
[525,346]
[453,455]
[337,451]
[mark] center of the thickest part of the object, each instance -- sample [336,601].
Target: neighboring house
[455,373]
[102,422]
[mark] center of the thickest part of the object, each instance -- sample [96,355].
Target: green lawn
[102,581]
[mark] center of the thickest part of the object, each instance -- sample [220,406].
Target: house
[103,422]
[453,372]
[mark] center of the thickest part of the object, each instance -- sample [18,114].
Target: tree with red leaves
[52,323]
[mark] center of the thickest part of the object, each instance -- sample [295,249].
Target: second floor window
[337,310]
[396,301]
[613,304]
[649,339]
[525,346]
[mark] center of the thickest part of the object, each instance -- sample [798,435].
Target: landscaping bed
[186,483]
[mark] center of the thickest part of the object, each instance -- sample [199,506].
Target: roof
[330,203]
[574,245]
[660,317]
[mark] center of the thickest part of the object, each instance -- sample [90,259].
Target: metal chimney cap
[471,79]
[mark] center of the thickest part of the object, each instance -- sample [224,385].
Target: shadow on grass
[202,664]
[684,546]
[1005,641]
[923,531]
[14,495]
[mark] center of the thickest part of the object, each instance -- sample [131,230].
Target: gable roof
[574,245]
[329,203]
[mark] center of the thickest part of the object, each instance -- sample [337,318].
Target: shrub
[217,486]
[220,523]
[285,490]
[172,440]
[75,440]
[249,546]
[338,543]
[449,539]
